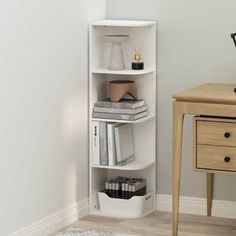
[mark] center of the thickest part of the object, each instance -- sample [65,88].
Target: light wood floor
[159,224]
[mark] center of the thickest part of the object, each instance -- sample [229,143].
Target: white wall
[43,103]
[193,47]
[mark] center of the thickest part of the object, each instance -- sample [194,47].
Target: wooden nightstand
[214,136]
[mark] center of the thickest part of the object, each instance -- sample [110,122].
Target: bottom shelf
[135,207]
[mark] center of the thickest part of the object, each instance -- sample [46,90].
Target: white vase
[116,61]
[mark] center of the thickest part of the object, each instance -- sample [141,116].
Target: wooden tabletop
[209,92]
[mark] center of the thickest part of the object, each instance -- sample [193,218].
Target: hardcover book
[102,115]
[103,143]
[131,111]
[111,143]
[95,143]
[122,104]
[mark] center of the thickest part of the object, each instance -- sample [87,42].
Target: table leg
[178,118]
[210,183]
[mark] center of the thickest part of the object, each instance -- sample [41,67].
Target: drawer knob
[227,159]
[227,134]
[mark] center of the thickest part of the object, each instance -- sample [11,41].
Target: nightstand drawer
[216,133]
[216,158]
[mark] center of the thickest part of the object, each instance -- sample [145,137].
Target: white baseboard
[197,206]
[55,221]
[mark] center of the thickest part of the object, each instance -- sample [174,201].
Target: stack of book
[126,109]
[125,188]
[112,143]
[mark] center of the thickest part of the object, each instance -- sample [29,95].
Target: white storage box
[137,206]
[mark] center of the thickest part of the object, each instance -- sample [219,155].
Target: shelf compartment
[144,119]
[135,165]
[123,72]
[135,207]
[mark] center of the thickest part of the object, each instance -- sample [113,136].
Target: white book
[111,143]
[95,143]
[123,103]
[132,111]
[103,143]
[133,117]
[124,141]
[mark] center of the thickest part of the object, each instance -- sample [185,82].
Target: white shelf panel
[123,72]
[144,119]
[123,23]
[135,165]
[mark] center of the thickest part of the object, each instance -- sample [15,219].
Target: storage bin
[137,206]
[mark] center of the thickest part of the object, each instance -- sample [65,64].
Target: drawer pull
[227,159]
[227,135]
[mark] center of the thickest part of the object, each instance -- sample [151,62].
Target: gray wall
[193,47]
[43,102]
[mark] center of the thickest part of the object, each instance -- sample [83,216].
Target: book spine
[111,145]
[95,143]
[107,185]
[103,143]
[117,144]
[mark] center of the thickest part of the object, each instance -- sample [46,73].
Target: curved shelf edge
[135,165]
[144,119]
[123,23]
[123,72]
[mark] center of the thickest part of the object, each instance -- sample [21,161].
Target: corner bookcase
[141,34]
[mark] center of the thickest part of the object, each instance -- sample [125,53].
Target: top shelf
[123,23]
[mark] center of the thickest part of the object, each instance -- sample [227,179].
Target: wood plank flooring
[159,224]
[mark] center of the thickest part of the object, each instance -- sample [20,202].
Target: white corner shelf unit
[141,34]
